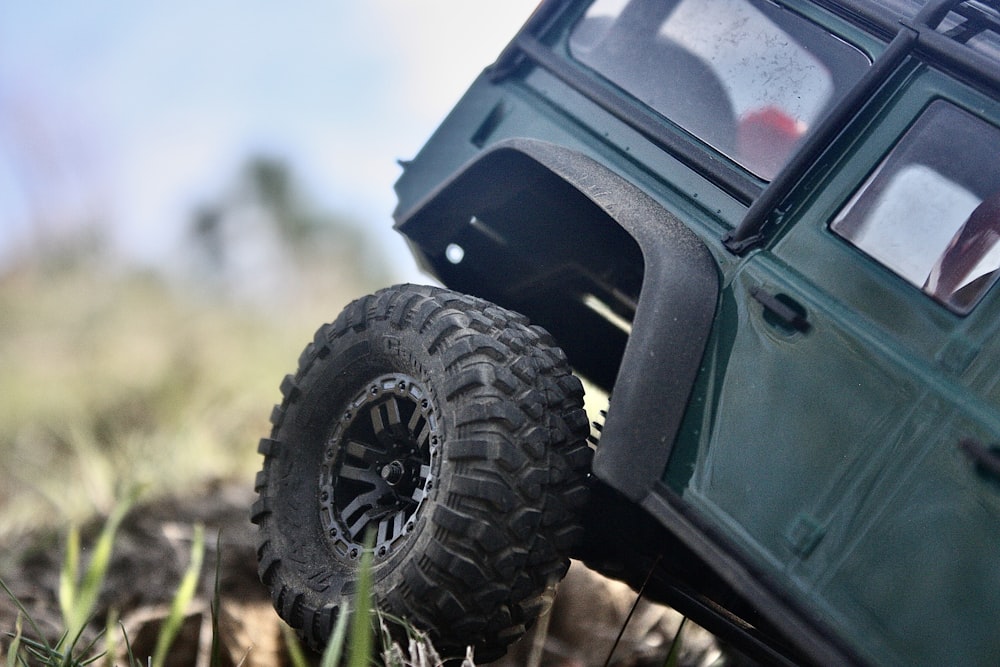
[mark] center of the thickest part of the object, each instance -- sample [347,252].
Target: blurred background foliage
[186,193]
[115,374]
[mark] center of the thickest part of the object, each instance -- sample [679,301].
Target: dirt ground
[152,552]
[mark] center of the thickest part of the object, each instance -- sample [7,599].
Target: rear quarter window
[930,212]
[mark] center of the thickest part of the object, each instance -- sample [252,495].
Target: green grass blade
[69,576]
[110,636]
[70,648]
[293,647]
[674,656]
[82,596]
[88,649]
[182,598]
[89,661]
[43,652]
[129,655]
[335,645]
[22,611]
[215,654]
[14,650]
[361,644]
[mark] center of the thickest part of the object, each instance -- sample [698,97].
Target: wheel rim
[379,466]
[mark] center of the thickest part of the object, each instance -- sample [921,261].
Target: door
[850,432]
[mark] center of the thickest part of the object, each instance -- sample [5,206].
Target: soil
[152,552]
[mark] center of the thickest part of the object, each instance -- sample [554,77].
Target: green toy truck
[770,232]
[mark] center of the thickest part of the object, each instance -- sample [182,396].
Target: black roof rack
[963,36]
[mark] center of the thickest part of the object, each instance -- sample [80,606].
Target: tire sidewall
[353,361]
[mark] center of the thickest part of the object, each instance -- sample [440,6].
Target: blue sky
[133,113]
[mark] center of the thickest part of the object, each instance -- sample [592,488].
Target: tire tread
[520,461]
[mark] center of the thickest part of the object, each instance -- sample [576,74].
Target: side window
[931,210]
[744,76]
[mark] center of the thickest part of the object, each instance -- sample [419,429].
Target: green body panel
[828,460]
[832,455]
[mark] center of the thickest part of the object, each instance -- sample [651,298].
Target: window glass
[931,211]
[746,77]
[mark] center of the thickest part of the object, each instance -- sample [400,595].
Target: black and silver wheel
[446,434]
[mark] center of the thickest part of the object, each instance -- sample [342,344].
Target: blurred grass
[78,595]
[113,376]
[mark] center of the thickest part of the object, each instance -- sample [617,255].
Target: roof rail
[962,35]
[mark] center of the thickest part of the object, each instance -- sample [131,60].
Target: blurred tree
[263,236]
[271,184]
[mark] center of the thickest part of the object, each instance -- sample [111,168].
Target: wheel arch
[636,319]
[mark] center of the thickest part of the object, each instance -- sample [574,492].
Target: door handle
[782,310]
[986,458]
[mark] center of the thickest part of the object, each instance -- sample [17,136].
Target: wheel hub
[378,467]
[393,473]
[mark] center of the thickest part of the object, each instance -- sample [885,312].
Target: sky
[134,114]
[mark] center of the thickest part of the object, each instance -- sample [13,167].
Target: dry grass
[116,378]
[113,377]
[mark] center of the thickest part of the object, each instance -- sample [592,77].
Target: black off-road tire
[449,430]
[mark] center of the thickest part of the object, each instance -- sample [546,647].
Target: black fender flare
[674,313]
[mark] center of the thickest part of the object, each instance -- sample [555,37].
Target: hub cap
[378,466]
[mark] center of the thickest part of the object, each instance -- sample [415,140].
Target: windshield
[748,78]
